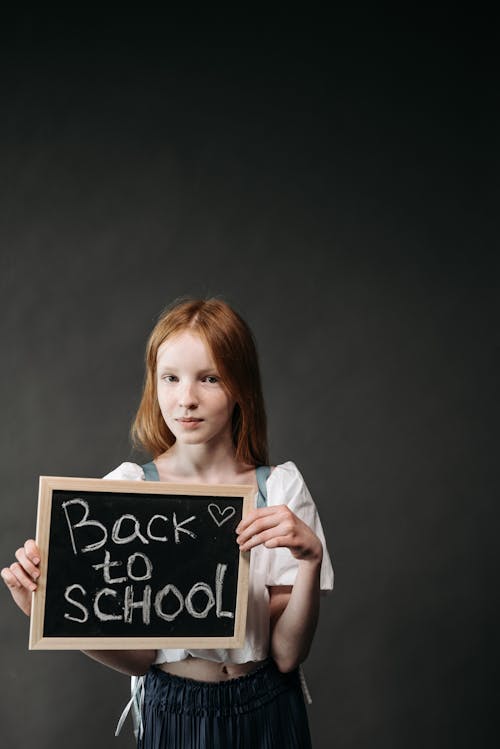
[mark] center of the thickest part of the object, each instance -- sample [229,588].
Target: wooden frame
[54,487]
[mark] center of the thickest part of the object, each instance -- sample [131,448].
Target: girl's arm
[21,579]
[130,662]
[294,617]
[294,610]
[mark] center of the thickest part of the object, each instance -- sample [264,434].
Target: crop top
[267,566]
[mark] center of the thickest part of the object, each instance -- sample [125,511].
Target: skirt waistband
[176,694]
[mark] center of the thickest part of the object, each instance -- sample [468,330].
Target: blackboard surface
[125,562]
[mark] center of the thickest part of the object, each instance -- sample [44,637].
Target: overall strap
[150,472]
[262,473]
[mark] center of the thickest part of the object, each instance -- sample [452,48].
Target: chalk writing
[137,564]
[220,516]
[198,601]
[116,537]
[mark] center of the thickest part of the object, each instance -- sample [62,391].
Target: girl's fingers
[263,538]
[32,551]
[20,594]
[258,526]
[276,541]
[264,530]
[9,579]
[21,575]
[254,515]
[23,580]
[278,526]
[262,519]
[26,563]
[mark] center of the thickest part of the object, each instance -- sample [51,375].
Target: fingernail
[36,560]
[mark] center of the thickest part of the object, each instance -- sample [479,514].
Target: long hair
[232,346]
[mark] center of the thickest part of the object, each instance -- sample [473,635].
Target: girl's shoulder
[286,484]
[126,472]
[286,473]
[283,477]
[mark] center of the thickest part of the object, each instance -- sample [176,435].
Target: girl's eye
[169,378]
[212,379]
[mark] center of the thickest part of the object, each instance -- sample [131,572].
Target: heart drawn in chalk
[221,516]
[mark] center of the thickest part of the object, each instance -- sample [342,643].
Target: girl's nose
[187,396]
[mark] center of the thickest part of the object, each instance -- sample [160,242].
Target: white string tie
[135,704]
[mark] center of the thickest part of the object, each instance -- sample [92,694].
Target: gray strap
[262,473]
[150,472]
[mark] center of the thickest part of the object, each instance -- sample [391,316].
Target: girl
[202,418]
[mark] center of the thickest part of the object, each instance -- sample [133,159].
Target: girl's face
[195,405]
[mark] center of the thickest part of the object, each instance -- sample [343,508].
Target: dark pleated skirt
[262,710]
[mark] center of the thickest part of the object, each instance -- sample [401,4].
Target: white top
[268,567]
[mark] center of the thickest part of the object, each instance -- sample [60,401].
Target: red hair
[232,345]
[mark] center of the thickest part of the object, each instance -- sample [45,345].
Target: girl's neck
[205,464]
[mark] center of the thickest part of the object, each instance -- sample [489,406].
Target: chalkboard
[139,564]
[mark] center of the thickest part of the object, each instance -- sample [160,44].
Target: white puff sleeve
[286,486]
[126,472]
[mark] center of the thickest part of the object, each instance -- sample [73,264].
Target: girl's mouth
[189,423]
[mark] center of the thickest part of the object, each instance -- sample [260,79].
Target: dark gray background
[334,183]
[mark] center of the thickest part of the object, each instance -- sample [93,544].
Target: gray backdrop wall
[335,189]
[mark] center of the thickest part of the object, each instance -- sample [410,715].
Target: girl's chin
[195,437]
[189,439]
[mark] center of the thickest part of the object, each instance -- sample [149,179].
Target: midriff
[201,670]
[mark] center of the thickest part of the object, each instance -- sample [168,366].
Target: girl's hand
[279,526]
[21,576]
